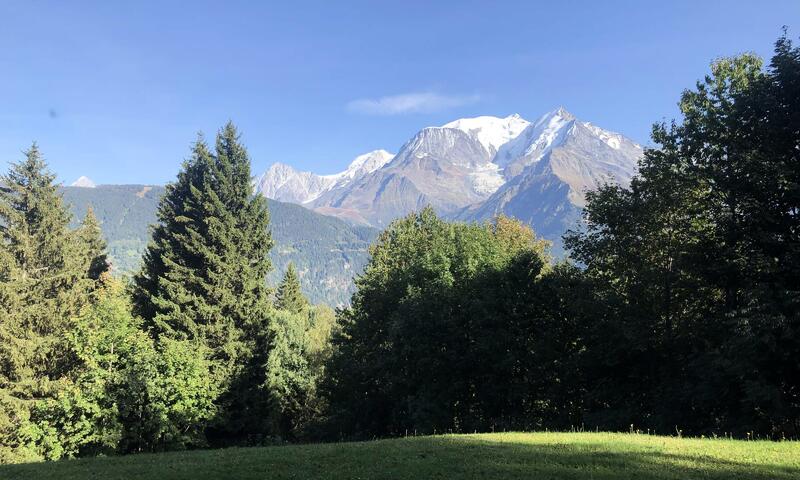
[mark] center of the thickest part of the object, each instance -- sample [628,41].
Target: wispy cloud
[421,102]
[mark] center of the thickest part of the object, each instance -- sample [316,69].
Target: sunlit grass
[501,455]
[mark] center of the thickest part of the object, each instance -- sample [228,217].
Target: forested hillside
[326,251]
[125,213]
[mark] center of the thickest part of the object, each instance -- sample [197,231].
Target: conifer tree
[204,273]
[289,295]
[91,239]
[44,282]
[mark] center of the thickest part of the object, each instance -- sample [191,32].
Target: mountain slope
[125,213]
[441,166]
[326,251]
[469,169]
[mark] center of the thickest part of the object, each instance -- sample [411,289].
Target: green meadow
[553,456]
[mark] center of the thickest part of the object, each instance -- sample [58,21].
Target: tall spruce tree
[289,295]
[94,246]
[44,282]
[204,273]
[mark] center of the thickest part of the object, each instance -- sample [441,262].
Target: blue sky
[118,90]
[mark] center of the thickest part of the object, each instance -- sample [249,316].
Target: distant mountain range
[327,251]
[471,169]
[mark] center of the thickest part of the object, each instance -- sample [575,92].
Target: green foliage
[167,397]
[85,417]
[290,381]
[289,295]
[300,346]
[426,344]
[204,274]
[699,261]
[47,274]
[125,393]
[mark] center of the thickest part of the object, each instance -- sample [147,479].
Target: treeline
[696,267]
[197,351]
[679,314]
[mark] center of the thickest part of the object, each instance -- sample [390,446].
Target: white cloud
[423,102]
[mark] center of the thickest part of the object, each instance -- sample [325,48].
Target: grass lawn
[502,456]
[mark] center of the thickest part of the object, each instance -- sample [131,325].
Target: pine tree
[204,273]
[91,238]
[44,282]
[289,295]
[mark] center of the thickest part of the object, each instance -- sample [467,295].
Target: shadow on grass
[445,457]
[580,459]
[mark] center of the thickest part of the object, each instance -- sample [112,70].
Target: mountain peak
[561,113]
[362,165]
[371,160]
[281,167]
[537,139]
[491,132]
[84,182]
[284,183]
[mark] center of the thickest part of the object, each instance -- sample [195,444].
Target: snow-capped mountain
[536,139]
[84,182]
[549,168]
[492,132]
[360,166]
[440,166]
[284,183]
[473,169]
